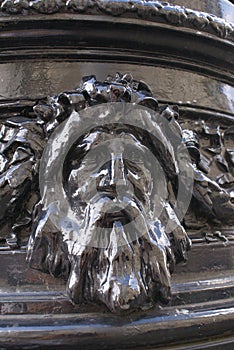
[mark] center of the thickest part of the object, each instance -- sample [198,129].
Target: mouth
[107,210]
[119,219]
[107,219]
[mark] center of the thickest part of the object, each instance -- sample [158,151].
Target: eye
[133,155]
[98,156]
[101,159]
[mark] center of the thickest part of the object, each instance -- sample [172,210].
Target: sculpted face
[111,185]
[111,168]
[106,220]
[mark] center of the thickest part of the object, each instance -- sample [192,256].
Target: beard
[123,261]
[121,258]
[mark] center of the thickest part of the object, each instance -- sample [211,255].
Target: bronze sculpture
[42,55]
[122,250]
[119,253]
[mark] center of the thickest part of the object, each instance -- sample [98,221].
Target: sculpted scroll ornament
[116,178]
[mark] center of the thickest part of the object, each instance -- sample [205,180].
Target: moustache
[110,209]
[104,212]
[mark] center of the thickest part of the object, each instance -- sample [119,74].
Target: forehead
[115,137]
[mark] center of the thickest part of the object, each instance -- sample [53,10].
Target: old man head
[106,221]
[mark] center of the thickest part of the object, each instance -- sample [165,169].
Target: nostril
[110,189]
[104,184]
[101,181]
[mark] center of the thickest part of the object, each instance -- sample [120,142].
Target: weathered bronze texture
[180,62]
[124,198]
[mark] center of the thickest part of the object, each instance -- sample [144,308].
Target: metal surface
[185,55]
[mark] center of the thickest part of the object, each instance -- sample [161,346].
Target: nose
[117,170]
[115,176]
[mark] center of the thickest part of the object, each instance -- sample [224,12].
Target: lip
[124,215]
[116,214]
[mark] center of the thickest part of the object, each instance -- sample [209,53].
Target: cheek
[82,183]
[141,178]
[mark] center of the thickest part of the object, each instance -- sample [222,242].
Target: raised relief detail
[117,174]
[155,11]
